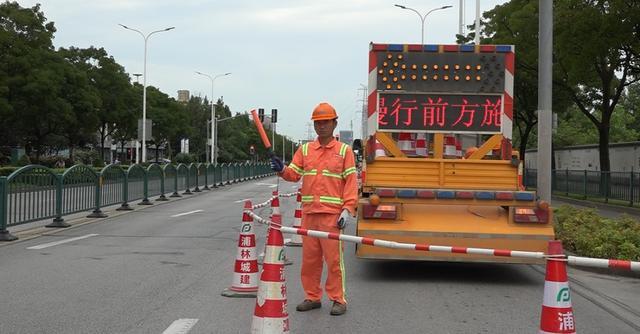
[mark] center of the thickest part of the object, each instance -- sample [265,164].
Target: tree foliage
[81,98]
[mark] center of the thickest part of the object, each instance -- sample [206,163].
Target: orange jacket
[328,175]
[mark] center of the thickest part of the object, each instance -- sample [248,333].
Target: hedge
[586,233]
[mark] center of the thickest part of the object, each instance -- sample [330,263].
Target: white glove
[342,220]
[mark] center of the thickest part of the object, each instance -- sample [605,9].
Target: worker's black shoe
[338,309]
[308,305]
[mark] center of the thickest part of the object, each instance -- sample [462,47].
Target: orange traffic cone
[380,152]
[421,145]
[557,312]
[405,143]
[245,274]
[449,147]
[276,218]
[296,239]
[275,204]
[270,315]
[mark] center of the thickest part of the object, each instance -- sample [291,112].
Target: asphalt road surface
[164,266]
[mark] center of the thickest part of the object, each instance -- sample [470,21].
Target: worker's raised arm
[293,172]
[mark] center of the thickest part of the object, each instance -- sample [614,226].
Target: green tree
[516,23]
[169,121]
[33,77]
[597,50]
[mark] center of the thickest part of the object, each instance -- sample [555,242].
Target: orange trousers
[313,252]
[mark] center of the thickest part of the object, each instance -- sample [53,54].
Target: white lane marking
[242,200]
[186,213]
[55,243]
[271,185]
[180,326]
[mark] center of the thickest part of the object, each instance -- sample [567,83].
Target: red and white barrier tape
[571,260]
[267,202]
[603,263]
[399,245]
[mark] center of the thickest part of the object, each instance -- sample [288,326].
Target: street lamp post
[422,18]
[144,88]
[225,119]
[214,133]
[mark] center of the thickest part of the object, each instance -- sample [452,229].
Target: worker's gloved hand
[342,220]
[276,164]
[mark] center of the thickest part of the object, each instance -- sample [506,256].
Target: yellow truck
[439,166]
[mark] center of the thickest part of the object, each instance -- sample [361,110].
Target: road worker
[329,198]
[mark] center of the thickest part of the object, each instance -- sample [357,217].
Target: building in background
[183,96]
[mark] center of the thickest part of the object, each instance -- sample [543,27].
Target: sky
[287,54]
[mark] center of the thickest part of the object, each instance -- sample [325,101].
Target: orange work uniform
[329,185]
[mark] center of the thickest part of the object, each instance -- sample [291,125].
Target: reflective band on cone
[421,145]
[557,312]
[296,239]
[245,274]
[380,150]
[405,143]
[270,315]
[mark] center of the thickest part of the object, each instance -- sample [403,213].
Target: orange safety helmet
[324,111]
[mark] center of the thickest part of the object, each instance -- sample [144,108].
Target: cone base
[238,294]
[293,244]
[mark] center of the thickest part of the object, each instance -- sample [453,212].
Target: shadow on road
[452,272]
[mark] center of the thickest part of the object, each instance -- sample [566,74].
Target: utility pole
[545,51]
[364,129]
[477,39]
[309,127]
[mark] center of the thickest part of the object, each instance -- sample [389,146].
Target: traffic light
[252,150]
[261,114]
[274,115]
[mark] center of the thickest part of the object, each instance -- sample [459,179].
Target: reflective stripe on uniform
[310,172]
[296,169]
[307,198]
[332,200]
[305,149]
[348,171]
[328,173]
[343,150]
[342,272]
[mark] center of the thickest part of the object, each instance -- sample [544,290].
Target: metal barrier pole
[566,181]
[162,196]
[97,213]
[145,187]
[58,221]
[584,184]
[631,190]
[175,184]
[187,192]
[4,212]
[206,177]
[125,195]
[197,189]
